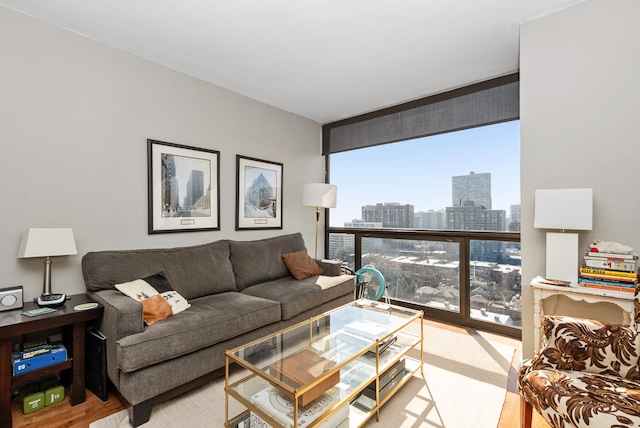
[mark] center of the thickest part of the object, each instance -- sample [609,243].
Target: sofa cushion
[211,319]
[301,265]
[298,296]
[200,270]
[261,260]
[194,271]
[580,399]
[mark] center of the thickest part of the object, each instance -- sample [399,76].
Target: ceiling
[325,60]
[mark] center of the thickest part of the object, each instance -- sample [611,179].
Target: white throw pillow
[141,289]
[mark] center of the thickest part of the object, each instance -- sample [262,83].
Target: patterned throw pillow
[159,300]
[590,346]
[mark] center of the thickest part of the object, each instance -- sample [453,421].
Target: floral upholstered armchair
[587,374]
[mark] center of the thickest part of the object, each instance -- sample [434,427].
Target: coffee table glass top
[298,356]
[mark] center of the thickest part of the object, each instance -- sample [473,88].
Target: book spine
[593,262]
[607,287]
[35,343]
[618,273]
[35,351]
[609,277]
[611,255]
[608,282]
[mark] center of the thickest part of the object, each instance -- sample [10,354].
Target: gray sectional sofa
[238,291]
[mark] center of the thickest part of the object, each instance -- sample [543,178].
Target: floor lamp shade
[323,195]
[319,195]
[563,209]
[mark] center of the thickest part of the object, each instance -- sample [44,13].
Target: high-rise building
[342,245]
[195,188]
[390,214]
[362,224]
[430,219]
[169,183]
[471,210]
[474,188]
[472,217]
[514,217]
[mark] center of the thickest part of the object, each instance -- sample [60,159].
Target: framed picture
[184,188]
[258,194]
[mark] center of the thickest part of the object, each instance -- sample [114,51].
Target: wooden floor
[79,416]
[65,415]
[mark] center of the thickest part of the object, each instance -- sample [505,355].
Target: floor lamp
[563,209]
[319,195]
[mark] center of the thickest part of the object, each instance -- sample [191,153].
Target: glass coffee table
[337,369]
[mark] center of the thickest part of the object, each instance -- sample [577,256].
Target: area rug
[464,384]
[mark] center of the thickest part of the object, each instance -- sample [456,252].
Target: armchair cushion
[588,346]
[580,399]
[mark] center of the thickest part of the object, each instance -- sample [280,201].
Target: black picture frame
[258,194]
[183,188]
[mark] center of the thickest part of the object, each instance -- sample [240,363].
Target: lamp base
[55,299]
[562,257]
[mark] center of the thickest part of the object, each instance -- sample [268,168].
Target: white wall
[580,106]
[75,116]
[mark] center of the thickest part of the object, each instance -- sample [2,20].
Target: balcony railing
[470,278]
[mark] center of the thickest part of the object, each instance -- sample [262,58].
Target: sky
[419,171]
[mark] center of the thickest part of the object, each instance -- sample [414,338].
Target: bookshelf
[73,324]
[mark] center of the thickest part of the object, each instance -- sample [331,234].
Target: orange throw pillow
[155,308]
[301,265]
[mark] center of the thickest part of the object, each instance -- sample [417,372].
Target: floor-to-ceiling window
[438,214]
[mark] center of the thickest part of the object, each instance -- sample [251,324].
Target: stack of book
[609,271]
[273,402]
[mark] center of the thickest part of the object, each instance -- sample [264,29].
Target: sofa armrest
[330,267]
[122,315]
[588,345]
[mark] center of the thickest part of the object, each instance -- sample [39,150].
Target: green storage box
[54,395]
[48,383]
[33,402]
[28,389]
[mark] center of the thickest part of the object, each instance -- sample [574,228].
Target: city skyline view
[419,172]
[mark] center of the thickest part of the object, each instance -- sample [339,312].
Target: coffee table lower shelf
[358,416]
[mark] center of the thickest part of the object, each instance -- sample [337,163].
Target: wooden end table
[73,325]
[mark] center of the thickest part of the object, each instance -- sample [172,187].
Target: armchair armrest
[330,267]
[588,345]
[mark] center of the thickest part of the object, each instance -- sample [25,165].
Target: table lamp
[319,195]
[39,242]
[563,209]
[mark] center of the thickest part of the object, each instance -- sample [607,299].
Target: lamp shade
[564,209]
[39,242]
[322,195]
